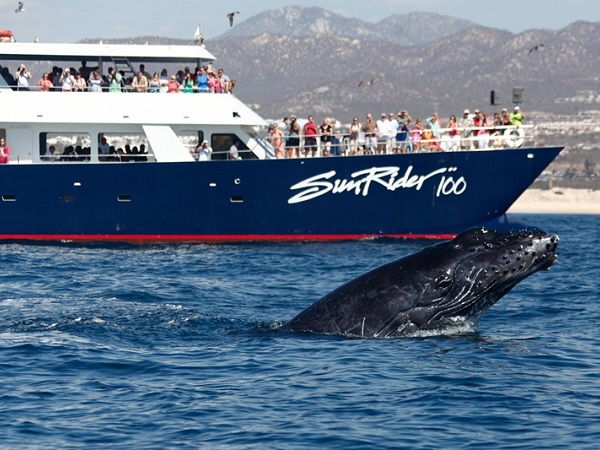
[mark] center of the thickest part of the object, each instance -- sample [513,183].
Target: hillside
[312,61]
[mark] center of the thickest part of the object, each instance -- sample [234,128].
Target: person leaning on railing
[4,151]
[45,84]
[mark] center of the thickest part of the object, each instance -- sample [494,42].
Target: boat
[58,185]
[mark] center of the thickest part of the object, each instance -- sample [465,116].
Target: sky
[73,20]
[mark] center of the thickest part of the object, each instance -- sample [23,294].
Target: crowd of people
[204,79]
[392,133]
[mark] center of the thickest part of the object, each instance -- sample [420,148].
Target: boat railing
[126,89]
[408,141]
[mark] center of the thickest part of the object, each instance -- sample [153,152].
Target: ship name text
[390,178]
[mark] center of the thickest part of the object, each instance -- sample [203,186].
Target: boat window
[67,146]
[191,139]
[124,147]
[2,133]
[221,143]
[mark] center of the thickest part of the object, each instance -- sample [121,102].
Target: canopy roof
[89,52]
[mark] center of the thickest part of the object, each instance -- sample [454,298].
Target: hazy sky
[72,20]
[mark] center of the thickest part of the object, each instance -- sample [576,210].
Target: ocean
[180,346]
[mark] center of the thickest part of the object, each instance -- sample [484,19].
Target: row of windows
[123,198]
[71,147]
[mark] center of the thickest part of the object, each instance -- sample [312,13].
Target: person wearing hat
[516,117]
[382,127]
[67,81]
[464,125]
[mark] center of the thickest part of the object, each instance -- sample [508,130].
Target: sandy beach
[558,201]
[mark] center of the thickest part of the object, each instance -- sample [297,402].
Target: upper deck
[20,51]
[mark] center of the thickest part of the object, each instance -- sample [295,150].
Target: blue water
[168,346]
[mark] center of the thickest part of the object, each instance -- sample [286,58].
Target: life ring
[514,137]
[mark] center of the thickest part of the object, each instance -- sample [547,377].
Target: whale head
[439,285]
[479,267]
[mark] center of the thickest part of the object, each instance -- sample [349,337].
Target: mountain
[320,74]
[312,61]
[405,29]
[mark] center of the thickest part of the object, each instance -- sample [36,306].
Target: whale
[444,284]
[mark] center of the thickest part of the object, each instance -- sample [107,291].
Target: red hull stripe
[212,238]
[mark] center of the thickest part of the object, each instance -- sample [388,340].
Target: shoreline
[557,201]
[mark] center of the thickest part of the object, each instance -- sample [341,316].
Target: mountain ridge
[327,72]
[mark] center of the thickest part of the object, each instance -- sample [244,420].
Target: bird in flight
[535,48]
[230,16]
[20,8]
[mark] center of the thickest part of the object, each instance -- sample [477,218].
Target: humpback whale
[437,286]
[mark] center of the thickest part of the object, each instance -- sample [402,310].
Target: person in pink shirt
[4,151]
[172,85]
[45,84]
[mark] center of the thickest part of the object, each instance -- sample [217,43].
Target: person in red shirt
[310,137]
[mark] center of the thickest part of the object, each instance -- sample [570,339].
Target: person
[154,84]
[293,141]
[188,83]
[45,84]
[326,130]
[143,71]
[336,148]
[382,128]
[86,71]
[67,81]
[497,131]
[277,140]
[22,77]
[115,84]
[476,126]
[103,149]
[310,137]
[428,140]
[79,85]
[214,84]
[4,151]
[233,151]
[370,130]
[453,134]
[140,82]
[55,78]
[483,135]
[403,144]
[516,118]
[434,121]
[465,124]
[353,135]
[415,135]
[390,134]
[164,81]
[95,82]
[173,85]
[224,80]
[202,81]
[204,151]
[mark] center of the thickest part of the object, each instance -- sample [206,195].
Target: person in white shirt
[67,81]
[204,152]
[382,126]
[233,151]
[23,76]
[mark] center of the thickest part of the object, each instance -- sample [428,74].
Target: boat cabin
[50,126]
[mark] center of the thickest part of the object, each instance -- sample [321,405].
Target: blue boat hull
[410,195]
